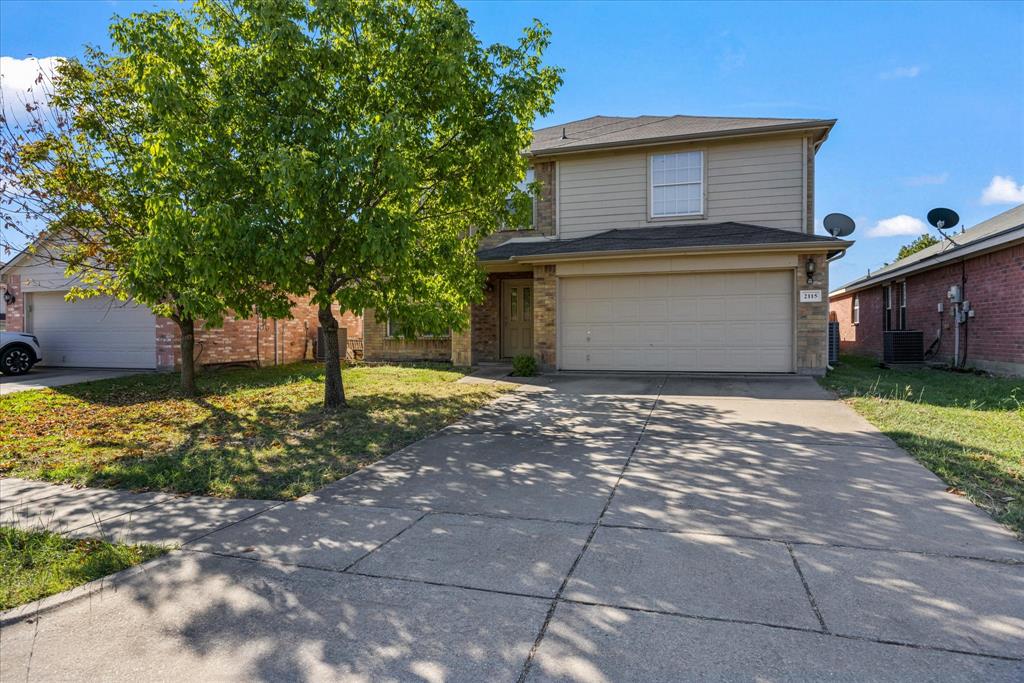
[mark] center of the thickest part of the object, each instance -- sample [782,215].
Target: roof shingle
[654,238]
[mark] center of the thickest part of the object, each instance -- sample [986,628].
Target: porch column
[462,343]
[544,312]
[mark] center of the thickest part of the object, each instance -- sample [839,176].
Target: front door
[516,318]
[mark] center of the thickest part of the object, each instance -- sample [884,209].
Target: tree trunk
[334,390]
[187,326]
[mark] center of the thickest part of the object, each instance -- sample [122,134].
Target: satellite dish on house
[943,218]
[839,224]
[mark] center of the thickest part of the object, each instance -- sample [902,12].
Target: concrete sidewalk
[119,516]
[592,529]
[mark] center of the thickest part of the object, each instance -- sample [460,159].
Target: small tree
[922,242]
[86,182]
[383,138]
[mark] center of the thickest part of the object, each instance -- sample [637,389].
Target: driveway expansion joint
[807,590]
[371,551]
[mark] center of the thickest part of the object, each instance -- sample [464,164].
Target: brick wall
[252,340]
[864,338]
[994,286]
[462,344]
[544,211]
[545,306]
[377,346]
[15,319]
[812,318]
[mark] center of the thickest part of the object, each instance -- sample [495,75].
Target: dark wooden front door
[516,318]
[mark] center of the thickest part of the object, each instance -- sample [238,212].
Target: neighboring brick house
[672,243]
[986,262]
[101,332]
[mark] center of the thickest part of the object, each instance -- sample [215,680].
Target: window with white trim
[856,309]
[677,184]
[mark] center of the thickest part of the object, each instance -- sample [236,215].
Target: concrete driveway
[42,377]
[585,529]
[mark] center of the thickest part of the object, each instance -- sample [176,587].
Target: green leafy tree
[381,138]
[922,242]
[88,185]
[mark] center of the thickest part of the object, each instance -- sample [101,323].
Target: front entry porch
[516,317]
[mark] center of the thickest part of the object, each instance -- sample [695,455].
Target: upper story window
[524,186]
[856,309]
[677,184]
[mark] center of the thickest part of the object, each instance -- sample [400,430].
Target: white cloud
[922,180]
[1003,190]
[18,81]
[901,72]
[898,225]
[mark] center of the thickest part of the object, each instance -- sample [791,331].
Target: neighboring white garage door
[686,322]
[93,333]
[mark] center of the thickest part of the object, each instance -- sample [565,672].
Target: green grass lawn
[968,429]
[251,434]
[35,564]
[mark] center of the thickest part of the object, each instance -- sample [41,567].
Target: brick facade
[993,284]
[811,318]
[378,346]
[462,344]
[15,312]
[260,341]
[545,324]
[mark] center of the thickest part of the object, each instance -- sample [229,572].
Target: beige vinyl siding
[756,181]
[40,274]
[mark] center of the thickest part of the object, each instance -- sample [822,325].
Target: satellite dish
[839,224]
[943,218]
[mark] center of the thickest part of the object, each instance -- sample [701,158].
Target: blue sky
[929,96]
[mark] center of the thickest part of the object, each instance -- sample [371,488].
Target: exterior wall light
[809,267]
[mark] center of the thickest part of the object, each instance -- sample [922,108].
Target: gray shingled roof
[659,237]
[1008,220]
[615,131]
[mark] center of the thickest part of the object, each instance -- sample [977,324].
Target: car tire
[16,359]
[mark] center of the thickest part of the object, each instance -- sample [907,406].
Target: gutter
[825,125]
[555,257]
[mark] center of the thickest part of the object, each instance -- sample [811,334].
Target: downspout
[275,341]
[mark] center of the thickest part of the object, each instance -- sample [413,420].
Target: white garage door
[685,322]
[93,333]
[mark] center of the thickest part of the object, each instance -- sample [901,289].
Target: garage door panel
[741,322]
[774,334]
[95,332]
[684,309]
[741,307]
[651,310]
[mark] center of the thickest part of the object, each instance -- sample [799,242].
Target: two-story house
[659,243]
[679,243]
